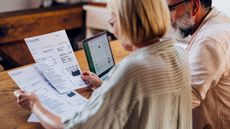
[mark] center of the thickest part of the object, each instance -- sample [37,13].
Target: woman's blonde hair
[141,20]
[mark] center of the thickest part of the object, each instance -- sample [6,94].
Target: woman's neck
[146,43]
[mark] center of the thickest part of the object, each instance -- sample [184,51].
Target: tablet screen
[99,54]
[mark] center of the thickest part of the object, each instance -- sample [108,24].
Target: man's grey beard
[184,25]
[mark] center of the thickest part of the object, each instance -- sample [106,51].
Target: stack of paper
[55,75]
[55,59]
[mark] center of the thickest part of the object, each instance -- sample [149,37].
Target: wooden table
[12,117]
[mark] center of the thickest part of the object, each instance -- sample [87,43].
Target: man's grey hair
[206,3]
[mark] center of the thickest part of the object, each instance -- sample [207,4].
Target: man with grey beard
[209,56]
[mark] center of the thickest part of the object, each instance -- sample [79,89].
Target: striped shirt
[209,56]
[149,89]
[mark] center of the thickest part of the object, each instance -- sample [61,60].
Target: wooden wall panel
[18,27]
[17,52]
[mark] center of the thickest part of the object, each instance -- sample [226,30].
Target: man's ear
[196,5]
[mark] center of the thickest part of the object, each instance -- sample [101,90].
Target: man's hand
[91,79]
[26,100]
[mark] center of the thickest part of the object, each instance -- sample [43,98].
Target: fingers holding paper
[26,100]
[91,79]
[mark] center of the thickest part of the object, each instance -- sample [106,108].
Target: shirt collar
[210,15]
[164,43]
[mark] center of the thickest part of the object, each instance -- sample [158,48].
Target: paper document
[55,58]
[63,105]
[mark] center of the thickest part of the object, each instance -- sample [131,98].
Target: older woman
[149,89]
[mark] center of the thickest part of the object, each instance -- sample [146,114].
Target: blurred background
[12,5]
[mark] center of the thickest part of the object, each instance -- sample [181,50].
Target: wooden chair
[1,68]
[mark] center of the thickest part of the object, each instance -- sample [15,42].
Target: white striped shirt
[209,54]
[149,89]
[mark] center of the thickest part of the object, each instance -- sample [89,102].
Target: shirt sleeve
[106,107]
[207,64]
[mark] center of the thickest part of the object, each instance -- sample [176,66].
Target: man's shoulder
[214,31]
[215,26]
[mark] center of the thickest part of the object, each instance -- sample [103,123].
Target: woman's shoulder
[136,64]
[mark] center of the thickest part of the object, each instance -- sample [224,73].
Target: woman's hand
[26,100]
[91,79]
[31,102]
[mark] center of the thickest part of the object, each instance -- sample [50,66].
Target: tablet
[99,55]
